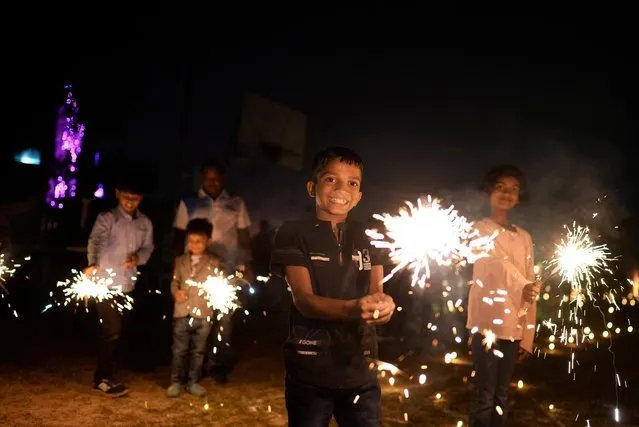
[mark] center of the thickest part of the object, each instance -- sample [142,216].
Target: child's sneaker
[174,390]
[196,390]
[109,389]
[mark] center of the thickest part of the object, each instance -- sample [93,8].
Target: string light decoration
[68,145]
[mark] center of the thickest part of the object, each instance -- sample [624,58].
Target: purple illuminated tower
[68,144]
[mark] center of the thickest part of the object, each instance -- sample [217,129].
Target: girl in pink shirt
[501,301]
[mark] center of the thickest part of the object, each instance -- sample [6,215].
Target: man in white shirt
[230,240]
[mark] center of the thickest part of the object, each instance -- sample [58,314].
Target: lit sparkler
[427,233]
[98,288]
[6,271]
[578,260]
[219,292]
[583,265]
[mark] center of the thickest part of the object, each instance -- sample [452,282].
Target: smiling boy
[335,277]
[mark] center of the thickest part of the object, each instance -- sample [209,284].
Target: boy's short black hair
[130,183]
[329,154]
[213,163]
[493,175]
[199,226]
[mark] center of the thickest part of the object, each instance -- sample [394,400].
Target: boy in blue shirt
[121,239]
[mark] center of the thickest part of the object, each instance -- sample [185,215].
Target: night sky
[555,99]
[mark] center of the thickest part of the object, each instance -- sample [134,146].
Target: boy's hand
[131,261]
[531,291]
[180,296]
[91,270]
[385,310]
[376,309]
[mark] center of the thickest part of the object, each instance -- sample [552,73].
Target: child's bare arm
[315,306]
[386,305]
[319,307]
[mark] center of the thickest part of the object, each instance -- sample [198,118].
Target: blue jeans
[310,406]
[492,379]
[189,339]
[221,351]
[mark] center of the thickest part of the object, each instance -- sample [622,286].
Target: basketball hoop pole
[184,126]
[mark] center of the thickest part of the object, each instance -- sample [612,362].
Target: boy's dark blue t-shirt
[326,353]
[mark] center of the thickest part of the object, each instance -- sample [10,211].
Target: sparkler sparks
[489,339]
[83,288]
[219,292]
[583,265]
[6,271]
[593,290]
[578,260]
[425,233]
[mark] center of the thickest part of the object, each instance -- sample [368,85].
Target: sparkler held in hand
[578,261]
[584,266]
[218,291]
[531,292]
[6,270]
[84,288]
[425,233]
